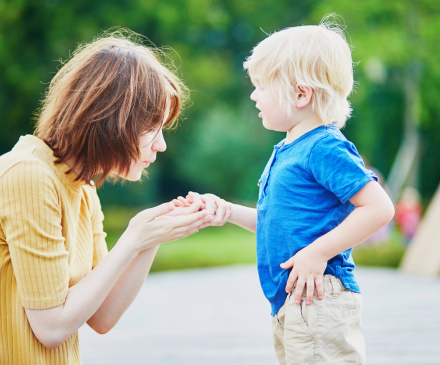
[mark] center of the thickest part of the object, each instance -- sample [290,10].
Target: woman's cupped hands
[175,220]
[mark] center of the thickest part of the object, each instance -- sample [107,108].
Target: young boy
[317,200]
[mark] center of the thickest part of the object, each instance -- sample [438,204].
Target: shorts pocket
[351,304]
[302,316]
[299,339]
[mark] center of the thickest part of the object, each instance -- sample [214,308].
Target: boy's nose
[254,95]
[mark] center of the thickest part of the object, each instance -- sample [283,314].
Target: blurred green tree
[221,146]
[395,44]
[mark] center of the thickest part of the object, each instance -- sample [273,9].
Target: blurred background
[221,147]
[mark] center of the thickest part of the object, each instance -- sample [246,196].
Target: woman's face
[150,143]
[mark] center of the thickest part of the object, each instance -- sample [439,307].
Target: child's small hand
[307,270]
[213,205]
[223,209]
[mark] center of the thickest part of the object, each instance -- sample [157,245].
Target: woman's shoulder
[91,198]
[23,167]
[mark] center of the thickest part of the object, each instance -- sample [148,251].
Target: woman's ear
[303,96]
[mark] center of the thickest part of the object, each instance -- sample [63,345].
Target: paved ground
[220,317]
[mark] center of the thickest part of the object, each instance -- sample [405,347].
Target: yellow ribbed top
[51,236]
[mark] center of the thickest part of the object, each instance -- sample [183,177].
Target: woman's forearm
[244,217]
[144,233]
[53,326]
[123,293]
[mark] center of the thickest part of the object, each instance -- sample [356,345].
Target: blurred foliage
[386,254]
[221,147]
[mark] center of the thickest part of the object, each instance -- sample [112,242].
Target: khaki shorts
[326,332]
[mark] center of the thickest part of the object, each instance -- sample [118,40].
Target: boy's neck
[303,127]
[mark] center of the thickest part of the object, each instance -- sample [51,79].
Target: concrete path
[219,316]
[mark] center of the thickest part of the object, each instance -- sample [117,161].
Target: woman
[103,115]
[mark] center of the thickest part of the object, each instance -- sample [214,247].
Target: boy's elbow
[388,212]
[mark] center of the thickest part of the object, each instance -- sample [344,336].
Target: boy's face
[274,116]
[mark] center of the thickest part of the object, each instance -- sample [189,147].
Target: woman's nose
[159,144]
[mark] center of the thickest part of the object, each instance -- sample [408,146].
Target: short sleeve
[32,226]
[99,244]
[335,164]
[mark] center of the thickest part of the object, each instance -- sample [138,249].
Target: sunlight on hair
[104,97]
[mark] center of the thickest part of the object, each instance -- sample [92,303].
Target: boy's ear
[303,96]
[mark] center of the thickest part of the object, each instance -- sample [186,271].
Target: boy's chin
[271,127]
[267,125]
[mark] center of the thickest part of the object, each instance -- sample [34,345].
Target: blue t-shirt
[304,193]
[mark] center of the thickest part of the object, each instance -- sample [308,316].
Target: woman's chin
[133,175]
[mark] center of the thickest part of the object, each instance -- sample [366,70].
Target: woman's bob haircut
[317,56]
[103,99]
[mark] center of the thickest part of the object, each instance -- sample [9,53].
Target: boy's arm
[374,210]
[244,217]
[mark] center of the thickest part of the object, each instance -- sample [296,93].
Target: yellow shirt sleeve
[32,226]
[99,244]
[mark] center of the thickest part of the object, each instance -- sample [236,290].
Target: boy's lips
[260,114]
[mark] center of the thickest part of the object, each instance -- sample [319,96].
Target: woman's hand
[183,207]
[154,226]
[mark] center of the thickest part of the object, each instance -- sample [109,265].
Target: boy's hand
[213,205]
[307,270]
[223,209]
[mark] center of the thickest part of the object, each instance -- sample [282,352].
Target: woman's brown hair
[103,99]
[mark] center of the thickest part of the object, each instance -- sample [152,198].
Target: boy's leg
[342,340]
[326,332]
[293,343]
[278,335]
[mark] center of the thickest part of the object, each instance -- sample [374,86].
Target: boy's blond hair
[317,56]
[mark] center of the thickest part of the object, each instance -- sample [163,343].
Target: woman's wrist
[131,242]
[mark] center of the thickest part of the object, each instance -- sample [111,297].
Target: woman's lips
[260,114]
[147,163]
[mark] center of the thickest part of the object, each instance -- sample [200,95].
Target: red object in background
[408,212]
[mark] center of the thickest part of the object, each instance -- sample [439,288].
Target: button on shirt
[304,193]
